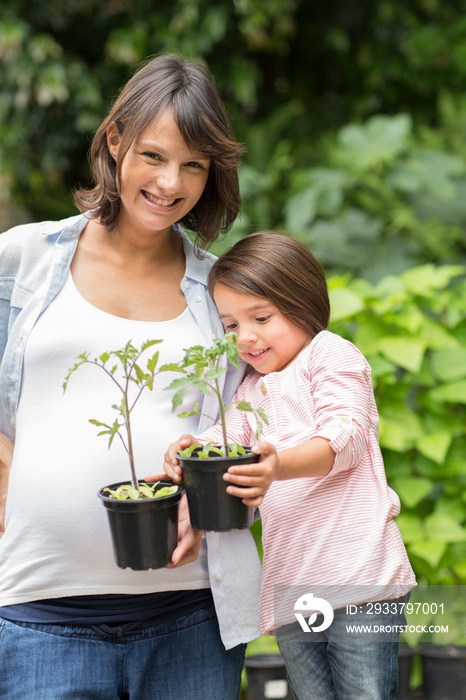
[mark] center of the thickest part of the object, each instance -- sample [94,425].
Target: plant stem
[130,442]
[222,418]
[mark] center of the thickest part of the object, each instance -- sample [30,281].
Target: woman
[71,623]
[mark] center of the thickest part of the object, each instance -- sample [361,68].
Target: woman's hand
[251,481]
[189,540]
[171,464]
[6,458]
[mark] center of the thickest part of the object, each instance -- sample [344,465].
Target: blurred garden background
[354,117]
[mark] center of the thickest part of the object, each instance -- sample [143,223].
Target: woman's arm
[6,457]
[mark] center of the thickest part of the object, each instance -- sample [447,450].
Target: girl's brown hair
[278,268]
[186,87]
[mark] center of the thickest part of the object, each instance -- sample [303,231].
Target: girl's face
[268,340]
[161,178]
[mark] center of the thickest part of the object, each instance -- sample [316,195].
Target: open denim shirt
[34,263]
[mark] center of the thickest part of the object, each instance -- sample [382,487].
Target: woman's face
[161,177]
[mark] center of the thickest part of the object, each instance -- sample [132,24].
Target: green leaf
[380,139]
[165,491]
[392,435]
[152,362]
[430,551]
[181,382]
[435,446]
[411,527]
[449,364]
[262,414]
[194,412]
[449,393]
[149,344]
[209,449]
[412,490]
[201,386]
[244,406]
[425,279]
[442,527]
[139,373]
[171,367]
[187,451]
[300,210]
[344,303]
[146,490]
[178,398]
[215,372]
[405,352]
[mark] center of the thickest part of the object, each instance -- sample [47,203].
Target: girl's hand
[189,540]
[171,465]
[6,458]
[251,481]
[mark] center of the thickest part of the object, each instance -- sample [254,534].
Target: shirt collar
[197,268]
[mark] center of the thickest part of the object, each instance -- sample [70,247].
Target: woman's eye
[194,164]
[152,156]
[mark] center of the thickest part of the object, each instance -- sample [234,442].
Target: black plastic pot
[405,665]
[210,506]
[266,677]
[144,532]
[444,672]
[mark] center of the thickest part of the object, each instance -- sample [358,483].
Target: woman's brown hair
[186,87]
[281,269]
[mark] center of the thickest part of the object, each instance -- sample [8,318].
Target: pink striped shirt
[334,535]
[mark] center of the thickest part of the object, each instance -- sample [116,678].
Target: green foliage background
[354,115]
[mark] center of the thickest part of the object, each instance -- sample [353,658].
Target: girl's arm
[251,481]
[344,418]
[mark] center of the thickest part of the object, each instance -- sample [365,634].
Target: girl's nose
[246,336]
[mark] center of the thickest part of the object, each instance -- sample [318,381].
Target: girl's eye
[262,319]
[229,327]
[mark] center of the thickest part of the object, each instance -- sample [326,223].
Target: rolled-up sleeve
[345,412]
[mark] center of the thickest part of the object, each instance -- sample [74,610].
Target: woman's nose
[169,179]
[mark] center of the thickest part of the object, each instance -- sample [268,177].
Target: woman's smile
[157,200]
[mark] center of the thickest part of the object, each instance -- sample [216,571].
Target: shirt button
[197,299]
[186,284]
[263,389]
[218,576]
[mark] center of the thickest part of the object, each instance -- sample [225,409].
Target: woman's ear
[113,140]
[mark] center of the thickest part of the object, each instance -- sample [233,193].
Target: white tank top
[57,541]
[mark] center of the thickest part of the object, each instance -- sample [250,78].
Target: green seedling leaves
[209,449]
[132,373]
[208,365]
[126,492]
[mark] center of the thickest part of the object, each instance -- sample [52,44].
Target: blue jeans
[337,665]
[183,659]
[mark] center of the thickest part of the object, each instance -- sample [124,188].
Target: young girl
[327,512]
